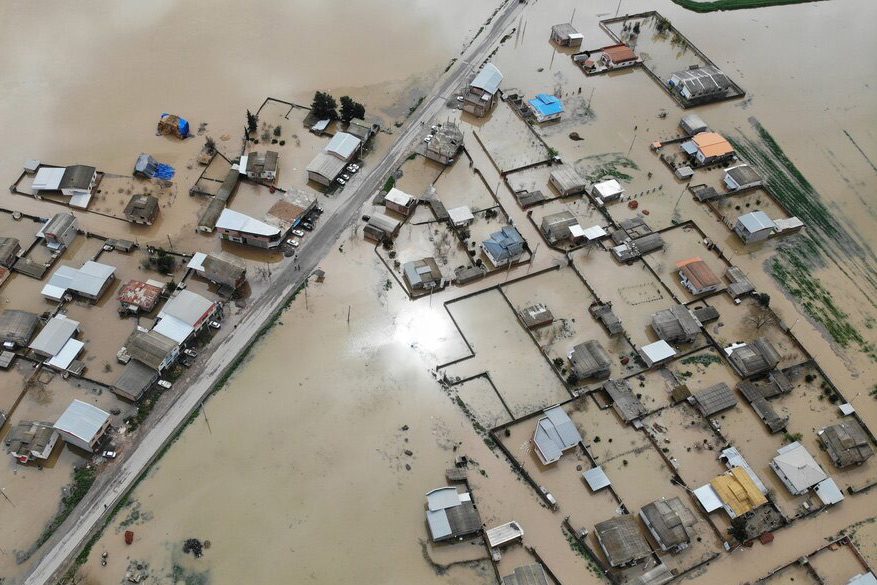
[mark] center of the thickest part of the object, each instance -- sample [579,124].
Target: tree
[252,122]
[324,106]
[761,317]
[351,109]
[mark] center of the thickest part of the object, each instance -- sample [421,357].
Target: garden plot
[509,141]
[691,442]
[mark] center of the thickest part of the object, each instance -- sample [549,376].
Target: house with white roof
[451,514]
[56,342]
[83,425]
[608,190]
[657,353]
[797,468]
[330,162]
[89,281]
[400,202]
[183,315]
[76,182]
[240,228]
[754,227]
[555,434]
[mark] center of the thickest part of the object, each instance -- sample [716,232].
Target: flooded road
[300,468]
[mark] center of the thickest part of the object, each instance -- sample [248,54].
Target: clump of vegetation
[702,360]
[416,104]
[324,106]
[83,478]
[792,437]
[161,261]
[389,183]
[252,122]
[351,109]
[277,130]
[714,5]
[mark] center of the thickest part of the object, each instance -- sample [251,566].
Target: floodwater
[300,467]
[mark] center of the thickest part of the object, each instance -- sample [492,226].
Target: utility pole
[206,420]
[618,8]
[631,142]
[348,315]
[3,492]
[593,89]
[533,257]
[170,243]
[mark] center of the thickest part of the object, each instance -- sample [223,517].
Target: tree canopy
[351,109]
[324,106]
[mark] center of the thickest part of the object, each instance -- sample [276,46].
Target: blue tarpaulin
[165,172]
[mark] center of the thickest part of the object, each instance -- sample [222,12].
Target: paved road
[89,515]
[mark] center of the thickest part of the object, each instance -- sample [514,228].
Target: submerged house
[218,271]
[622,541]
[699,84]
[243,229]
[445,144]
[698,277]
[380,227]
[556,226]
[9,249]
[624,401]
[846,443]
[142,209]
[751,359]
[184,315]
[29,440]
[482,92]
[608,190]
[741,176]
[603,312]
[708,147]
[400,202]
[754,226]
[714,399]
[797,468]
[451,514]
[555,434]
[423,274]
[566,35]
[330,162]
[83,425]
[137,296]
[260,165]
[670,522]
[676,324]
[590,360]
[17,328]
[504,247]
[89,281]
[77,182]
[536,316]
[567,180]
[735,491]
[60,231]
[546,107]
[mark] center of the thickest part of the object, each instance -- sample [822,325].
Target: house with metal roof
[83,425]
[554,435]
[596,478]
[754,227]
[141,209]
[451,514]
[422,274]
[556,226]
[218,271]
[590,360]
[243,229]
[565,35]
[603,312]
[741,176]
[527,575]
[714,399]
[56,342]
[697,276]
[846,443]
[657,353]
[676,324]
[739,285]
[670,523]
[481,94]
[60,231]
[330,162]
[134,381]
[89,281]
[445,144]
[546,107]
[461,216]
[9,249]
[751,359]
[137,296]
[622,541]
[504,534]
[260,166]
[608,190]
[363,130]
[797,468]
[734,491]
[399,201]
[624,401]
[76,182]
[692,124]
[29,440]
[762,407]
[183,315]
[504,247]
[17,328]
[152,349]
[700,84]
[567,180]
[380,227]
[536,316]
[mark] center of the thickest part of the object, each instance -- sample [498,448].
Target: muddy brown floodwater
[300,468]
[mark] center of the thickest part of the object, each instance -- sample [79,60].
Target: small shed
[172,125]
[609,190]
[657,353]
[596,478]
[604,313]
[589,359]
[536,316]
[714,399]
[670,522]
[624,401]
[460,216]
[17,327]
[504,534]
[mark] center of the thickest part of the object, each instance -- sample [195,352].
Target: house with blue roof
[504,246]
[546,107]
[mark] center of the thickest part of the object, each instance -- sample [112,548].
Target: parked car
[214,324]
[352,168]
[428,138]
[293,242]
[319,210]
[299,233]
[345,176]
[307,226]
[190,352]
[340,181]
[109,454]
[166,384]
[459,98]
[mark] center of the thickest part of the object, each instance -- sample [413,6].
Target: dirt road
[90,515]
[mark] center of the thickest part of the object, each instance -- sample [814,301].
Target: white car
[190,352]
[428,138]
[214,324]
[299,233]
[352,168]
[346,177]
[293,242]
[459,98]
[166,384]
[340,181]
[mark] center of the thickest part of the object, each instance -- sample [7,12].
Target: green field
[713,5]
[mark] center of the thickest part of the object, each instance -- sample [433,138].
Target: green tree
[252,122]
[324,106]
[351,109]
